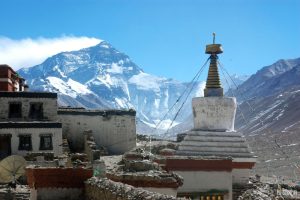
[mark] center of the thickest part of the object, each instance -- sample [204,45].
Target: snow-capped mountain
[102,77]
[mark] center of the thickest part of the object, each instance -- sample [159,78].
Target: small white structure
[113,129]
[28,123]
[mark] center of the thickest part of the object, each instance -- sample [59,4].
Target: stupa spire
[213,83]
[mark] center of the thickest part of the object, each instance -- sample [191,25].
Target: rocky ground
[266,191]
[278,155]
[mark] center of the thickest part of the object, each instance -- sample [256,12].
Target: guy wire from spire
[238,107]
[179,98]
[184,101]
[237,87]
[196,77]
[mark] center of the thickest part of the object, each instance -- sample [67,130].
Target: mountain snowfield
[101,77]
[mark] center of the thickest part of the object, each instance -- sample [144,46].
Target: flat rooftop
[83,111]
[28,95]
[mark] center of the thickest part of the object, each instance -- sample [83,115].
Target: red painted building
[10,81]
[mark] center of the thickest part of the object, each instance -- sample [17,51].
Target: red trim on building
[57,177]
[198,165]
[243,165]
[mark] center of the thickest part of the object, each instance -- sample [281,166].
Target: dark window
[25,142]
[46,142]
[15,110]
[36,111]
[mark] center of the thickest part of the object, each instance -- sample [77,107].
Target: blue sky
[166,37]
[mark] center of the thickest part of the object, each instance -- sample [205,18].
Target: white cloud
[29,52]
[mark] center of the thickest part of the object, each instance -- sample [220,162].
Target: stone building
[213,156]
[32,122]
[112,129]
[28,123]
[28,120]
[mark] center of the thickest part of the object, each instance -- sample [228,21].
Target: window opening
[36,111]
[46,142]
[25,142]
[15,110]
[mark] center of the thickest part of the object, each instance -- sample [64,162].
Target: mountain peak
[102,77]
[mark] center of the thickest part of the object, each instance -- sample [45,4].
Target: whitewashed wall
[35,139]
[202,181]
[115,132]
[214,113]
[166,191]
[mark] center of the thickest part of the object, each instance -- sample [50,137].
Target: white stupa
[213,133]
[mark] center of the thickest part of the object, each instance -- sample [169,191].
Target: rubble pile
[21,192]
[265,191]
[33,156]
[106,189]
[160,147]
[138,170]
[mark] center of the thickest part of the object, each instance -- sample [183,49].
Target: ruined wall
[90,147]
[115,131]
[35,139]
[105,189]
[49,105]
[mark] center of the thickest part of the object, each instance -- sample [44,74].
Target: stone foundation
[104,189]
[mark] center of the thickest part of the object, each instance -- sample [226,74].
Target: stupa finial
[213,83]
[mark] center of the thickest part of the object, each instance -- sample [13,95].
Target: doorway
[5,146]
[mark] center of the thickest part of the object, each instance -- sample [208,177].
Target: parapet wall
[105,189]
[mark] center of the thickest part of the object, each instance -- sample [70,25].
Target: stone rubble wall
[57,194]
[90,147]
[20,193]
[105,189]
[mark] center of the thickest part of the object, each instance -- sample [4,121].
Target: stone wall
[57,194]
[105,189]
[115,130]
[90,147]
[49,106]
